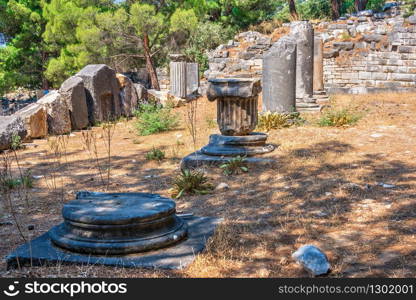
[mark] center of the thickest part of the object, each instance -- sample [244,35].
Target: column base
[223,148]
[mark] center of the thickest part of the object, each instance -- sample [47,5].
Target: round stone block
[219,150]
[247,145]
[118,223]
[253,139]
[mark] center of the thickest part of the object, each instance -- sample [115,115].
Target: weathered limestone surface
[233,87]
[10,126]
[73,93]
[59,120]
[118,223]
[141,93]
[35,120]
[237,100]
[178,80]
[279,76]
[128,95]
[303,32]
[102,92]
[318,65]
[192,78]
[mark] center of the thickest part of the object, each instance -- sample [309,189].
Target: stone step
[320,96]
[309,109]
[306,104]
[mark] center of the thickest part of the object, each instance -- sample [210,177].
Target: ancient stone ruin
[237,101]
[94,94]
[101,228]
[362,53]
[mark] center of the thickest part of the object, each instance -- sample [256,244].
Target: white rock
[222,186]
[312,259]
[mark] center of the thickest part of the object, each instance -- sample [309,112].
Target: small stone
[412,19]
[5,223]
[222,186]
[386,185]
[331,53]
[366,13]
[343,45]
[312,259]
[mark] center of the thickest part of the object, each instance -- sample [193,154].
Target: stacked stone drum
[237,101]
[118,223]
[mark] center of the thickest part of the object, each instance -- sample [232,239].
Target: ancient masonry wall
[362,54]
[365,57]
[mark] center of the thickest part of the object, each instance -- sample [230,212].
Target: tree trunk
[292,10]
[149,63]
[360,5]
[335,9]
[45,82]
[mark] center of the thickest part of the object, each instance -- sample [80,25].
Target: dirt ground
[350,191]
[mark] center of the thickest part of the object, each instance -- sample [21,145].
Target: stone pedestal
[102,228]
[318,65]
[237,100]
[111,224]
[279,77]
[302,32]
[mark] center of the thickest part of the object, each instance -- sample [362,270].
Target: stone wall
[362,53]
[363,56]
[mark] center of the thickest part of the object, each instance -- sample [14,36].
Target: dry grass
[325,191]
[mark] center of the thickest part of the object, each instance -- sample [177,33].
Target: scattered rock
[35,120]
[386,185]
[412,20]
[10,126]
[102,90]
[312,259]
[5,223]
[128,95]
[59,121]
[73,93]
[222,186]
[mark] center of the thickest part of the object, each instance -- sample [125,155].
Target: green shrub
[16,142]
[206,37]
[155,154]
[10,183]
[235,165]
[307,10]
[339,118]
[154,118]
[191,182]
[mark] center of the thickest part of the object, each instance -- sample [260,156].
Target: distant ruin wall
[362,54]
[370,57]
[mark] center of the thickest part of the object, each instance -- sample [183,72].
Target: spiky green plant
[155,154]
[272,120]
[339,118]
[235,165]
[191,182]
